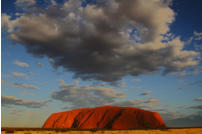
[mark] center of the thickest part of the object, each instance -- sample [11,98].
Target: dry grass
[67,131]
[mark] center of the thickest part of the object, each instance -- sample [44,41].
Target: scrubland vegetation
[159,131]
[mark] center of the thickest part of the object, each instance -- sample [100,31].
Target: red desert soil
[106,117]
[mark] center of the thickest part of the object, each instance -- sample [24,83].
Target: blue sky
[58,56]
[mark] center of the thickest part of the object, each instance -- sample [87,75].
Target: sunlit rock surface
[106,117]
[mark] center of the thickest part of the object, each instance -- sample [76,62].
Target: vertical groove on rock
[75,124]
[98,123]
[92,112]
[109,124]
[65,120]
[55,121]
[66,117]
[139,119]
[53,125]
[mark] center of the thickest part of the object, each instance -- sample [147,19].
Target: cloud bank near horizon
[78,96]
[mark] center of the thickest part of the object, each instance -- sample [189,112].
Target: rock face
[107,117]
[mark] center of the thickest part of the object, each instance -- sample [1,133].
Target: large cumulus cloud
[103,41]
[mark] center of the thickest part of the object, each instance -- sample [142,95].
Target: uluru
[106,117]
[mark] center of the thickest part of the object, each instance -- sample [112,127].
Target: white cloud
[171,115]
[137,87]
[152,102]
[5,22]
[40,64]
[181,74]
[25,3]
[118,84]
[17,74]
[127,103]
[149,104]
[21,64]
[198,99]
[136,80]
[21,85]
[192,71]
[195,107]
[53,2]
[145,93]
[198,36]
[190,84]
[11,100]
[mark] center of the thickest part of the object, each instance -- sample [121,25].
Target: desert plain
[72,131]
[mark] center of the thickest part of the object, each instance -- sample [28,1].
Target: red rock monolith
[106,117]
